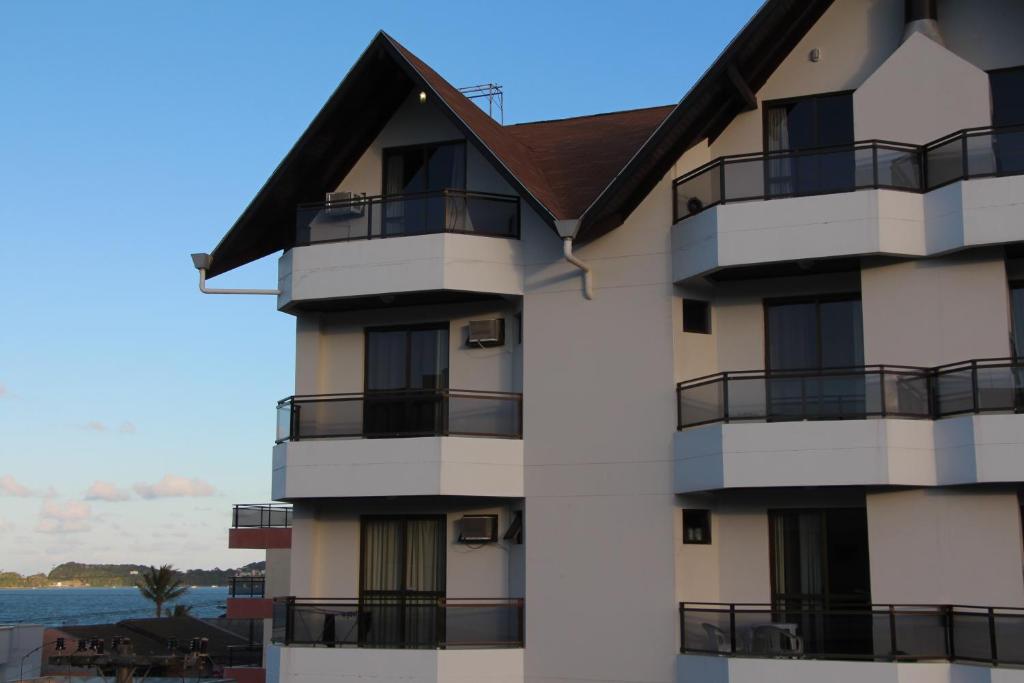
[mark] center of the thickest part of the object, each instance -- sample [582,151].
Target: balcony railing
[250,656]
[891,633]
[399,622]
[976,386]
[246,586]
[832,394]
[362,218]
[872,164]
[391,414]
[261,516]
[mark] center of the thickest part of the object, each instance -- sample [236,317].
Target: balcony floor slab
[420,466]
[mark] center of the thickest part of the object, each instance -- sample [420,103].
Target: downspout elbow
[202,262]
[588,276]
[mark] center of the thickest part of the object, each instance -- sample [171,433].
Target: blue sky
[133,133]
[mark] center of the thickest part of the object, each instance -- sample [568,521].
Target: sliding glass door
[793,126]
[411,171]
[402,581]
[1008,110]
[406,371]
[820,567]
[808,340]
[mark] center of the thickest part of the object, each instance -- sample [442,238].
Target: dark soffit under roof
[548,162]
[709,106]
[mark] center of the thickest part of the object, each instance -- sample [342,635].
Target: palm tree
[161,585]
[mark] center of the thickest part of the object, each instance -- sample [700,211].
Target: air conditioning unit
[345,204]
[478,529]
[486,332]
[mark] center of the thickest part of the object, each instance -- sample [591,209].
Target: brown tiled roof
[580,156]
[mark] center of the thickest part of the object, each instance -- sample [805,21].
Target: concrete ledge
[250,608]
[427,466]
[709,669]
[825,453]
[340,665]
[260,538]
[397,265]
[964,214]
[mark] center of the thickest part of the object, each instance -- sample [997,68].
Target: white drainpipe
[588,276]
[202,262]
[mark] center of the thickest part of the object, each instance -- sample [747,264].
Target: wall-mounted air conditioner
[345,204]
[486,332]
[478,529]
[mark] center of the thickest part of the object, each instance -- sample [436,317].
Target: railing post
[992,636]
[521,612]
[721,181]
[439,625]
[963,153]
[881,390]
[974,384]
[892,632]
[369,220]
[950,635]
[519,408]
[289,621]
[234,517]
[725,397]
[732,628]
[682,628]
[293,428]
[874,165]
[679,408]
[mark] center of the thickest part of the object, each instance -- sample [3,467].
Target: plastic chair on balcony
[717,640]
[776,641]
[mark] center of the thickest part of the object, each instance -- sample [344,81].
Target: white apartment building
[719,392]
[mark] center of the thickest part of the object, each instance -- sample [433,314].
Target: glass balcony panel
[899,169]
[744,179]
[747,398]
[698,192]
[954,392]
[981,155]
[701,403]
[481,415]
[945,162]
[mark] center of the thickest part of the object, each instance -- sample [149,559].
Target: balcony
[872,425]
[871,197]
[784,641]
[418,623]
[245,664]
[394,443]
[246,598]
[344,250]
[261,526]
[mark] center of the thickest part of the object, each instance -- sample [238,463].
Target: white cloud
[127,427]
[71,517]
[173,486]
[95,426]
[104,490]
[3,390]
[9,486]
[5,526]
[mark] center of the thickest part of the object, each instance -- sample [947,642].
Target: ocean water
[56,606]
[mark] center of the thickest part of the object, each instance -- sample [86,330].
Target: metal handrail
[978,392]
[922,182]
[367,204]
[316,619]
[441,423]
[269,515]
[886,632]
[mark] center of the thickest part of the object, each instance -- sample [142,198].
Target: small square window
[697,526]
[696,316]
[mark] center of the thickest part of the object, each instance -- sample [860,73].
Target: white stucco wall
[945,546]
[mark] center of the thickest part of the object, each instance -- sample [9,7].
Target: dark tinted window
[817,333]
[696,526]
[1007,96]
[696,316]
[1017,310]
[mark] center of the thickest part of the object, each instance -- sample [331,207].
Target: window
[403,365]
[1008,110]
[697,527]
[696,316]
[1017,318]
[806,123]
[416,170]
[515,529]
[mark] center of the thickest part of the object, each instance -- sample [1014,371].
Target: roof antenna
[495,98]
